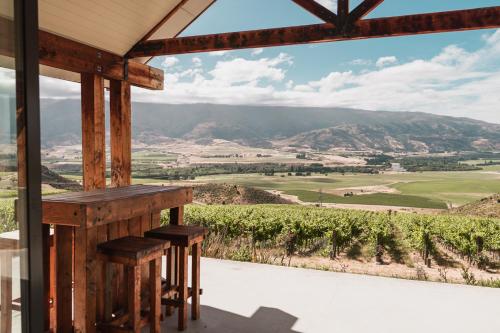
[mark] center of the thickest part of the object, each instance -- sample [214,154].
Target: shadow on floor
[264,320]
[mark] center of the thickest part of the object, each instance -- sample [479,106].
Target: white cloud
[330,4]
[360,62]
[258,51]
[241,70]
[55,88]
[217,53]
[454,82]
[197,62]
[169,61]
[386,61]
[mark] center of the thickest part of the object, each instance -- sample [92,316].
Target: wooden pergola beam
[62,53]
[318,10]
[342,13]
[460,20]
[363,9]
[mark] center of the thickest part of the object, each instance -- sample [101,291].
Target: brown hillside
[56,181]
[487,207]
[227,194]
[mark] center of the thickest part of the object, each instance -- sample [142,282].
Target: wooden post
[177,215]
[134,297]
[93,132]
[120,133]
[183,287]
[121,172]
[155,295]
[64,245]
[195,281]
[94,177]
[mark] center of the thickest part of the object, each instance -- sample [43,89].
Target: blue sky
[455,74]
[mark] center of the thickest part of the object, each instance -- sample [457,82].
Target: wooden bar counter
[82,220]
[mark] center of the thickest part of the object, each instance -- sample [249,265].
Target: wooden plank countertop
[100,207]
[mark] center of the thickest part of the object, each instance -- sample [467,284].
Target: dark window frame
[33,304]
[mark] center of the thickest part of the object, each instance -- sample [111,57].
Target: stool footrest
[174,290]
[167,300]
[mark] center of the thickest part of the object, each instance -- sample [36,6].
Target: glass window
[14,189]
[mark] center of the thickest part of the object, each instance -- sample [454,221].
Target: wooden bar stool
[176,293]
[133,252]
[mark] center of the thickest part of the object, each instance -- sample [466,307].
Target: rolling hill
[266,126]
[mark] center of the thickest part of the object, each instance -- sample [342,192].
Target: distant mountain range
[301,127]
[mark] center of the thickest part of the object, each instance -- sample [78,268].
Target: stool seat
[135,249]
[179,235]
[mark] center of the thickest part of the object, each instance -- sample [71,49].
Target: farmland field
[425,189]
[408,189]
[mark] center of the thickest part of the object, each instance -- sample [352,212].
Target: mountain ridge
[304,127]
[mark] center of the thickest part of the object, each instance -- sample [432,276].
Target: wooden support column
[94,177]
[93,132]
[121,133]
[121,174]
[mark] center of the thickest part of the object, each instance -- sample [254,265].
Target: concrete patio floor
[250,298]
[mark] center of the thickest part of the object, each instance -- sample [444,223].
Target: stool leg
[155,295]
[6,289]
[176,265]
[134,297]
[170,276]
[195,279]
[183,287]
[108,292]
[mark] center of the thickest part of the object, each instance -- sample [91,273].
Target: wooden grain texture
[134,297]
[177,215]
[93,132]
[53,281]
[460,20]
[48,282]
[64,245]
[171,279]
[94,177]
[120,133]
[179,235]
[111,205]
[195,278]
[342,13]
[59,52]
[183,288]
[363,9]
[63,214]
[85,280]
[155,295]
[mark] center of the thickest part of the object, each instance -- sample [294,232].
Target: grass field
[384,199]
[425,189]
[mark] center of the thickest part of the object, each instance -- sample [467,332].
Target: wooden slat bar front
[78,218]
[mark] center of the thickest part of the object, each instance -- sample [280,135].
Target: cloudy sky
[455,74]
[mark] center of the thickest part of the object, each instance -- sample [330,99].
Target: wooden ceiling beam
[318,10]
[363,9]
[59,52]
[460,20]
[342,12]
[164,21]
